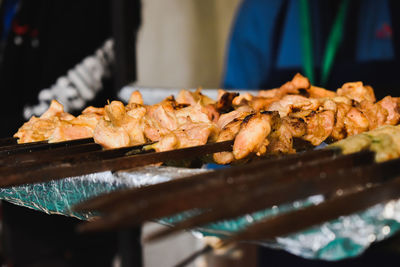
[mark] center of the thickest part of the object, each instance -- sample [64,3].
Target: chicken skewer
[299,169]
[269,123]
[349,111]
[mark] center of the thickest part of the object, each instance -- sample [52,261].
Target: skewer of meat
[306,112]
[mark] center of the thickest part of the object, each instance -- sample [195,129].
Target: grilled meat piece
[339,131]
[193,134]
[296,126]
[292,103]
[56,110]
[318,92]
[55,125]
[319,126]
[110,136]
[375,113]
[192,98]
[292,87]
[120,128]
[391,105]
[281,139]
[257,103]
[209,106]
[229,132]
[253,133]
[242,100]
[357,91]
[37,129]
[355,122]
[136,98]
[226,118]
[224,102]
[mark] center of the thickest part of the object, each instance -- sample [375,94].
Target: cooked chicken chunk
[110,136]
[319,126]
[167,142]
[136,98]
[37,129]
[56,125]
[164,117]
[357,91]
[195,113]
[318,92]
[224,102]
[355,122]
[226,118]
[253,133]
[193,134]
[242,99]
[291,103]
[339,130]
[66,131]
[292,87]
[116,112]
[281,141]
[375,113]
[93,110]
[125,127]
[390,104]
[296,126]
[56,110]
[209,106]
[192,98]
[229,132]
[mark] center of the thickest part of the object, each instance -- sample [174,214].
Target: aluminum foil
[345,237]
[58,196]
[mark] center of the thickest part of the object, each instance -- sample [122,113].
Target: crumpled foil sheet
[58,196]
[345,237]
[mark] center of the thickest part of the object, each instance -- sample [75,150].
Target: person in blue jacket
[331,42]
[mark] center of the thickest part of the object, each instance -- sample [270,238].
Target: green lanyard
[333,42]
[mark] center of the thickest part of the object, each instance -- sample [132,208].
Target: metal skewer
[220,177]
[85,164]
[259,199]
[292,222]
[8,141]
[169,203]
[40,146]
[47,155]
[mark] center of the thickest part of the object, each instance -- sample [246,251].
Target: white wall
[182,42]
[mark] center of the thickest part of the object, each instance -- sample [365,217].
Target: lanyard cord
[306,40]
[332,45]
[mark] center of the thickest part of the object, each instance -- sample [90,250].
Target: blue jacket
[266,40]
